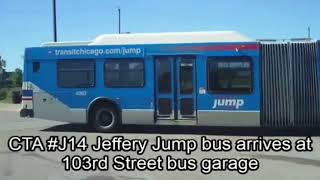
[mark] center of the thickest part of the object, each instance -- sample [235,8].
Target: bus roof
[160,38]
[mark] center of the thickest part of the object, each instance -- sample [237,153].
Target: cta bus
[183,78]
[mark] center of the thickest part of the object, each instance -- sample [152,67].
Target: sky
[29,23]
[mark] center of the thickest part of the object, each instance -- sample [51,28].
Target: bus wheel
[105,119]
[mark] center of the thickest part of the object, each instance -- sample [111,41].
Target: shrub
[3,94]
[16,97]
[6,84]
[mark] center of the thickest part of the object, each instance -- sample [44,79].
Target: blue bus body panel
[138,98]
[318,60]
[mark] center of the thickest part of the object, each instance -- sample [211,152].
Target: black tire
[23,113]
[105,119]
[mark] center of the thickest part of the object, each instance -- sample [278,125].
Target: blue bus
[183,78]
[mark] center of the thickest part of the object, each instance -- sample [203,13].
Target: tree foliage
[17,77]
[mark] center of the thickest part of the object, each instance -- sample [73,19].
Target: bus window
[36,67]
[230,75]
[124,73]
[186,77]
[164,76]
[76,73]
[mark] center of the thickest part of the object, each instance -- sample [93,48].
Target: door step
[182,122]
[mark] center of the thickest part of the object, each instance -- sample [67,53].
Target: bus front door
[175,88]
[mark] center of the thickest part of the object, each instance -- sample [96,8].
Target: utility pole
[309,33]
[54,21]
[119,19]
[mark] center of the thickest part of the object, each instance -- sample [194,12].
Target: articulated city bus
[191,78]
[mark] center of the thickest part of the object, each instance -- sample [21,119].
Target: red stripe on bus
[247,47]
[26,99]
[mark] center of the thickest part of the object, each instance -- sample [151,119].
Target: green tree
[2,66]
[17,77]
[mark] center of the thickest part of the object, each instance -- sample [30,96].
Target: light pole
[119,19]
[54,21]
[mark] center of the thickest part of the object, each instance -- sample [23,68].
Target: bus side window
[76,73]
[36,67]
[125,73]
[230,75]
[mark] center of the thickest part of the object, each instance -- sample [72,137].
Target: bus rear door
[175,88]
